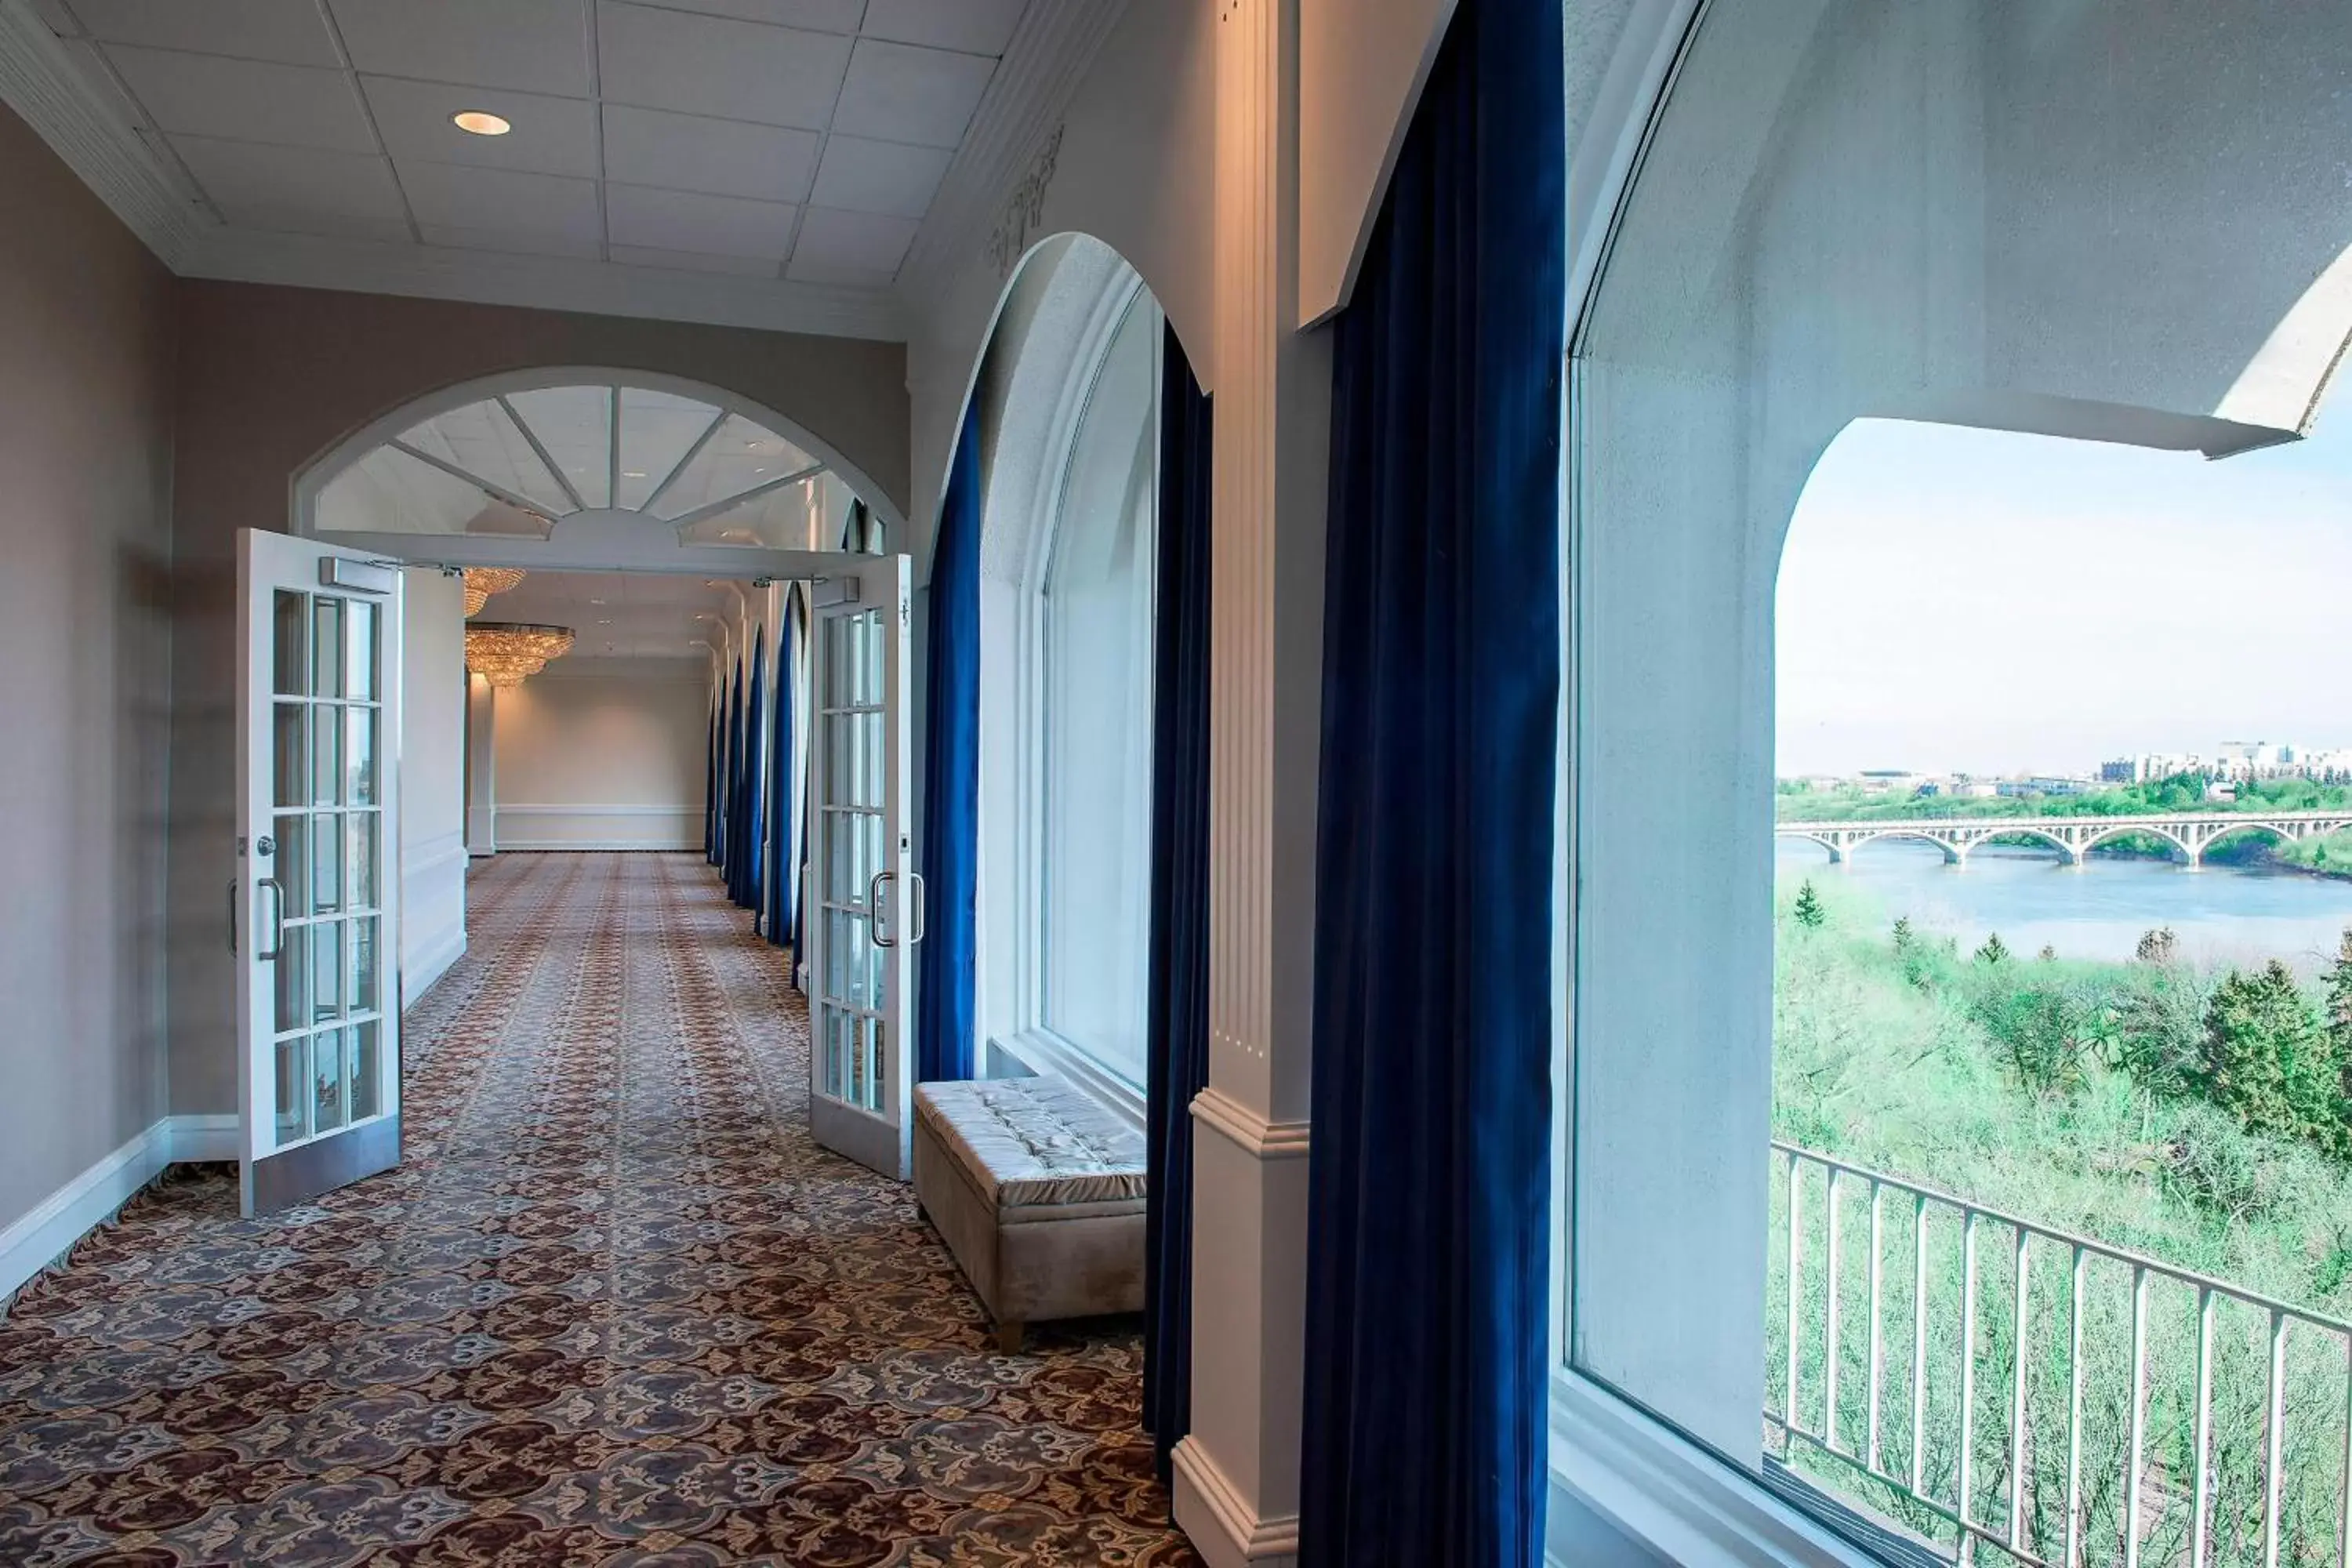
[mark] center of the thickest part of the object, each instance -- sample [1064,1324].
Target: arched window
[1095,621]
[520,460]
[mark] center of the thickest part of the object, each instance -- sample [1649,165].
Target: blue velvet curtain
[951,849]
[748,882]
[1179,990]
[1429,1235]
[782,896]
[730,751]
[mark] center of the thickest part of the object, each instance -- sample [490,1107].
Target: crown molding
[1053,47]
[547,283]
[39,80]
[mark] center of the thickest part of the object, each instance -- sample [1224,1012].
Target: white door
[315,906]
[868,905]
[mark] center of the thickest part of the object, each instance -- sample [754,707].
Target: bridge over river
[2191,832]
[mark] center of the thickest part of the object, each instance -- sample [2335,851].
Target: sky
[1955,600]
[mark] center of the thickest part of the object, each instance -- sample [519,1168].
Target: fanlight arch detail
[602,459]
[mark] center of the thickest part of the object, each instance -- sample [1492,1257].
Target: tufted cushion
[1034,1141]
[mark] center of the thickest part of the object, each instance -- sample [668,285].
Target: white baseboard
[66,1216]
[208,1139]
[1221,1525]
[417,976]
[39,1239]
[542,824]
[530,846]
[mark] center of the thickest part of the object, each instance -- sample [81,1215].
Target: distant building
[1883,781]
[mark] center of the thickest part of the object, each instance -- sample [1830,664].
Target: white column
[1236,1492]
[481,766]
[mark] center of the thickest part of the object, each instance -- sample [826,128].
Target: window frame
[1032,1045]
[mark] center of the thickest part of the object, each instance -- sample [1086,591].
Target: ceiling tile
[551,135]
[690,261]
[502,201]
[821,15]
[536,45]
[849,247]
[290,32]
[891,177]
[246,100]
[975,26]
[896,92]
[299,189]
[516,244]
[686,220]
[722,157]
[709,65]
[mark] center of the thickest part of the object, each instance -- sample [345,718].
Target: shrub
[1808,911]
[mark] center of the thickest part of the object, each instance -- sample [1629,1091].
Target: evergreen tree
[2268,1061]
[1903,933]
[1994,950]
[1808,911]
[2048,953]
[2339,1021]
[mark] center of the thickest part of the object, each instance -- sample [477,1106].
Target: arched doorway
[607,499]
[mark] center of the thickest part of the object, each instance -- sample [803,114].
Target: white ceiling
[620,615]
[794,139]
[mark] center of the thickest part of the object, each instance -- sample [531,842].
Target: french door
[868,903]
[316,902]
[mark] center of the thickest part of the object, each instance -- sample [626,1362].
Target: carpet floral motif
[615,1306]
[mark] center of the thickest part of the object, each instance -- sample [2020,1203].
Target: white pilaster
[1237,1473]
[481,766]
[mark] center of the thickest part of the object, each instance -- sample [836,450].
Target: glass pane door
[867,911]
[315,900]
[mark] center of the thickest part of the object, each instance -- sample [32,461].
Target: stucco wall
[270,378]
[85,650]
[432,778]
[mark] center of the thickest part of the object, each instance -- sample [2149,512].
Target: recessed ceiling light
[633,473]
[596,600]
[481,123]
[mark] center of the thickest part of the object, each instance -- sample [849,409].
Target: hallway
[615,1306]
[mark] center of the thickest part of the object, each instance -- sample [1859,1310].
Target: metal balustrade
[2172,1461]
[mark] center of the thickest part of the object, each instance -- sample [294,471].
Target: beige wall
[604,753]
[85,649]
[432,778]
[272,378]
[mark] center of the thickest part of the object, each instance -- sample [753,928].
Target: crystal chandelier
[481,582]
[508,653]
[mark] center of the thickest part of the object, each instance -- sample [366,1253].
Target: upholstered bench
[1038,1191]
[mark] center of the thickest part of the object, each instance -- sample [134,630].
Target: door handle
[232,915]
[922,906]
[276,919]
[874,907]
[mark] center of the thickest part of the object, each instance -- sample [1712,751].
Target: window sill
[1673,1498]
[1042,1051]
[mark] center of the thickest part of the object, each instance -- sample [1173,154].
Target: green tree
[2340,1018]
[1994,950]
[1903,933]
[2268,1061]
[2159,946]
[1808,911]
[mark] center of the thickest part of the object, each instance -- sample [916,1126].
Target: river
[2222,914]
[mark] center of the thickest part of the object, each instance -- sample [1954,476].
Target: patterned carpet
[614,1307]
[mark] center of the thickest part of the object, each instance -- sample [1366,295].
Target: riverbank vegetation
[2200,1118]
[1798,801]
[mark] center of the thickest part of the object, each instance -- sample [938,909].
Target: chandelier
[508,653]
[481,582]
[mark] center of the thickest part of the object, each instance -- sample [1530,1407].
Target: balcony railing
[2126,1411]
